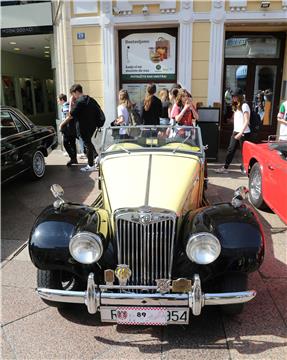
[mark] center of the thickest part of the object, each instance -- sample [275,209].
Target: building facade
[210,47]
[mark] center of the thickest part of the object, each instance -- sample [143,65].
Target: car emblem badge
[123,273]
[163,285]
[145,218]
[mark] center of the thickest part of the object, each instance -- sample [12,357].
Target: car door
[14,142]
[276,176]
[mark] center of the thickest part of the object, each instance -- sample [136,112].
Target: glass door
[253,62]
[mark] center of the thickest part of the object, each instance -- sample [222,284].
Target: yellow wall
[200,62]
[88,67]
[201,5]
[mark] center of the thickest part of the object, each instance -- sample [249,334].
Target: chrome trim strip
[148,181]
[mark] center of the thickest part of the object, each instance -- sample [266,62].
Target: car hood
[162,180]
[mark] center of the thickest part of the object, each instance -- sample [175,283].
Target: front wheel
[234,282]
[55,279]
[255,187]
[38,165]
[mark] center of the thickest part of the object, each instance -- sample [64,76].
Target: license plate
[145,315]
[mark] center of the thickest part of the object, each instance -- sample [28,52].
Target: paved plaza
[32,330]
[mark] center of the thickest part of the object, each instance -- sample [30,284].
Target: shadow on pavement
[23,199]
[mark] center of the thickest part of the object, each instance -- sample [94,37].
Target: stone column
[109,63]
[186,17]
[216,53]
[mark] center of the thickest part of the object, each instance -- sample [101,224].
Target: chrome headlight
[203,248]
[86,247]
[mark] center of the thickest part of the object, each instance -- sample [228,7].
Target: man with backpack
[89,117]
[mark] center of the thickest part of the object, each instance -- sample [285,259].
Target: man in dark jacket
[87,114]
[68,131]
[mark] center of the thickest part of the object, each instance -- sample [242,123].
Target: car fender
[53,229]
[238,231]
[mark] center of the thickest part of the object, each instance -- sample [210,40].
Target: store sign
[149,56]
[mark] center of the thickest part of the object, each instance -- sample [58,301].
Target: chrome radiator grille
[145,242]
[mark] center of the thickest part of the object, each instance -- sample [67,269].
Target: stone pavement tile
[7,352]
[23,255]
[18,303]
[203,338]
[278,291]
[132,342]
[21,274]
[74,334]
[8,247]
[274,265]
[22,216]
[259,332]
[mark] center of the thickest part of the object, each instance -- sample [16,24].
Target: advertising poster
[149,57]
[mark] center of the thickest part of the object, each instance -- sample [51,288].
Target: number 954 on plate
[145,315]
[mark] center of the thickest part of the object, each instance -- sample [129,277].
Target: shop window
[26,94]
[39,98]
[252,47]
[8,91]
[85,7]
[50,91]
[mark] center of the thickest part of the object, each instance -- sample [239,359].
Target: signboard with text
[149,56]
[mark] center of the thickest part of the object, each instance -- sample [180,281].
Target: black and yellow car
[150,250]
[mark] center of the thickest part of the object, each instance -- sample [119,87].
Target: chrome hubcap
[38,164]
[255,185]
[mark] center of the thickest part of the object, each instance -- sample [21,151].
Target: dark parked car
[150,249]
[23,145]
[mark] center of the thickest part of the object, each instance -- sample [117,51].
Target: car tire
[234,282]
[55,279]
[255,187]
[38,165]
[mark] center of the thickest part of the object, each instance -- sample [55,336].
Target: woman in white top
[241,130]
[123,112]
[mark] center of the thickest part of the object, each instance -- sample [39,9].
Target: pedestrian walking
[68,130]
[88,114]
[241,130]
[152,107]
[282,119]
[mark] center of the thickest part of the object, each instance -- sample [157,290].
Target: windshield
[176,138]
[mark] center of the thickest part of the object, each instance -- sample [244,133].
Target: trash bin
[209,120]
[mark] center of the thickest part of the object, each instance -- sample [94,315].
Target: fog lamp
[109,276]
[123,273]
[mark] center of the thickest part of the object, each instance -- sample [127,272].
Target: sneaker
[72,162]
[221,170]
[97,161]
[88,168]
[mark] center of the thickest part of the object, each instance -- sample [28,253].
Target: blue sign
[81,35]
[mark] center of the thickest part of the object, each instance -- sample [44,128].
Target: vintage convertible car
[266,166]
[23,145]
[150,248]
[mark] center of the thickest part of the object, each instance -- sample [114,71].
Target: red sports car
[266,166]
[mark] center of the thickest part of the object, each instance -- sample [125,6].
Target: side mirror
[240,194]
[57,192]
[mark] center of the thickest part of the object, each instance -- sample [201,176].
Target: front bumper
[96,297]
